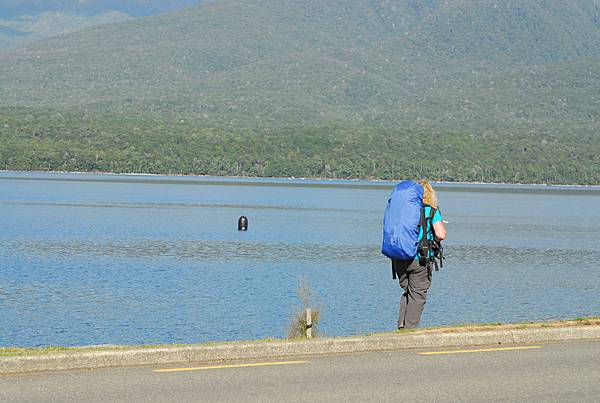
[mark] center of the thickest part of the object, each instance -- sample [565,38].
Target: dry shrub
[297,328]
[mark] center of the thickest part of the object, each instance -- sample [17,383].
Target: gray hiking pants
[415,280]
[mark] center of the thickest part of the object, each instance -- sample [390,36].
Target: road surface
[552,372]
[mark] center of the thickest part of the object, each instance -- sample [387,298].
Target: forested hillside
[501,91]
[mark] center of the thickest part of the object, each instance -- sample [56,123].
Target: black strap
[432,212]
[423,222]
[439,255]
[425,244]
[440,252]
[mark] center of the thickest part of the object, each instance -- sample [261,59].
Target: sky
[13,8]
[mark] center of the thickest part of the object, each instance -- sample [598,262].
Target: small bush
[297,328]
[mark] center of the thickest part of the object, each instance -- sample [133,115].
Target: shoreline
[50,359]
[531,185]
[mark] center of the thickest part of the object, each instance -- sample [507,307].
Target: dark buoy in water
[243,224]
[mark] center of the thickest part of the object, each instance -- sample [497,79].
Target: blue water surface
[108,259]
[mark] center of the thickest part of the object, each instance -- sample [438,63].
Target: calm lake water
[107,259]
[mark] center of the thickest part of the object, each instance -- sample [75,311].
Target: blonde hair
[429,195]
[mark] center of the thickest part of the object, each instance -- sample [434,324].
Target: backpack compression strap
[434,245]
[425,243]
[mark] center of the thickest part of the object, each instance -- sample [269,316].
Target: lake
[121,259]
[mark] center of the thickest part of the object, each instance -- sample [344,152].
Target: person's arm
[440,230]
[438,226]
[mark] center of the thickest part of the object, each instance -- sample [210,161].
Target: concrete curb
[73,360]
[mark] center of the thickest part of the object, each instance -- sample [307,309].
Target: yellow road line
[482,350]
[260,364]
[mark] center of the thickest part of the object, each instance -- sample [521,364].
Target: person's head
[429,196]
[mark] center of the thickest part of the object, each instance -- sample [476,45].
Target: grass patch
[591,321]
[16,351]
[30,351]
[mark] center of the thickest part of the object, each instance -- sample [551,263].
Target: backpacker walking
[412,233]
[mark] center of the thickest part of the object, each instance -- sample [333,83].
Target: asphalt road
[556,372]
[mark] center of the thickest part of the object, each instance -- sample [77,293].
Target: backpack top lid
[401,221]
[408,192]
[416,189]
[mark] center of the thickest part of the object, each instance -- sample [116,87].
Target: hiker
[414,207]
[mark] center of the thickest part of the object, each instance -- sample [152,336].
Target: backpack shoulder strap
[439,251]
[422,249]
[432,212]
[423,221]
[428,219]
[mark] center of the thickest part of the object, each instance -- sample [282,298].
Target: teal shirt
[437,217]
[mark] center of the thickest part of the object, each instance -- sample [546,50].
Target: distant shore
[540,186]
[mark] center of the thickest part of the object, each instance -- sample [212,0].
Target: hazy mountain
[16,8]
[24,21]
[484,67]
[442,63]
[26,29]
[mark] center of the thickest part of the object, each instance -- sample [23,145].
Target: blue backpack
[401,221]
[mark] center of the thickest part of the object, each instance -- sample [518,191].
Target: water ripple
[171,206]
[203,250]
[195,250]
[522,256]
